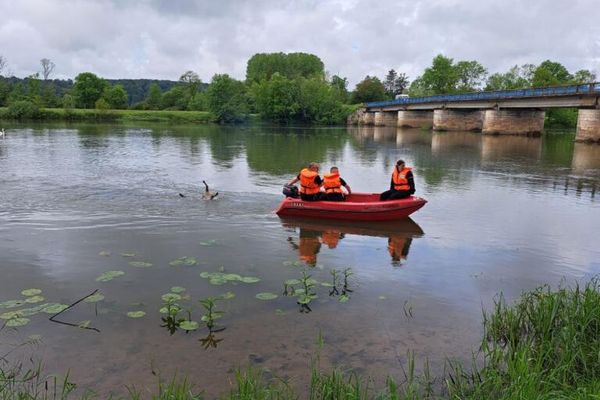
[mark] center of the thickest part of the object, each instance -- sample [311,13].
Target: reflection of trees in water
[286,151]
[557,149]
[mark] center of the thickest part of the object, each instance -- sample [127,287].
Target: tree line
[280,87]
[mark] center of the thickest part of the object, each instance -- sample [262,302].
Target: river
[504,214]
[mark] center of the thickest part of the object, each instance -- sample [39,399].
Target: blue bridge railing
[587,89]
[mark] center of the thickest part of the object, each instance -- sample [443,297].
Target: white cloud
[160,39]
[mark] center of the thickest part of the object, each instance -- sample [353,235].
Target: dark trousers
[394,194]
[334,197]
[311,197]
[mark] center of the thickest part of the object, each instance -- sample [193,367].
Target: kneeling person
[332,183]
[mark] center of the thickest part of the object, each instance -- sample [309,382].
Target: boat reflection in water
[313,234]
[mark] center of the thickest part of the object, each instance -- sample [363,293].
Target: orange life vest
[331,238]
[308,249]
[307,182]
[332,183]
[397,248]
[399,178]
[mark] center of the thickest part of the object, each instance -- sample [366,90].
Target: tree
[369,89]
[87,89]
[277,98]
[395,83]
[584,76]
[550,73]
[263,66]
[116,97]
[154,97]
[319,102]
[441,77]
[47,68]
[516,78]
[226,98]
[191,81]
[340,87]
[470,76]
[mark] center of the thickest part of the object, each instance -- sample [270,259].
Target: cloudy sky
[163,38]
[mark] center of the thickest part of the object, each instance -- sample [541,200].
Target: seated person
[332,183]
[310,182]
[402,184]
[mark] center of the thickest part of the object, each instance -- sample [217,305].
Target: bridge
[515,112]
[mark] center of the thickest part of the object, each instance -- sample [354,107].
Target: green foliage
[320,102]
[550,73]
[102,104]
[340,87]
[561,118]
[516,78]
[277,99]
[445,77]
[175,99]
[226,99]
[23,109]
[154,98]
[191,83]
[116,97]
[369,89]
[470,76]
[87,89]
[395,83]
[584,76]
[264,66]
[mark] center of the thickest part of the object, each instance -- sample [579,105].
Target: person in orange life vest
[310,183]
[398,248]
[332,183]
[402,184]
[332,238]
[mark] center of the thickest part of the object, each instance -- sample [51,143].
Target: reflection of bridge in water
[575,165]
[520,111]
[314,233]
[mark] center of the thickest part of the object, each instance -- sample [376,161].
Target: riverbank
[545,346]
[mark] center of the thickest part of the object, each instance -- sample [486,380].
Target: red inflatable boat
[357,207]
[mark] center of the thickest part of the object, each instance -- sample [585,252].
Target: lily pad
[128,254]
[249,279]
[10,315]
[208,242]
[12,303]
[170,297]
[291,282]
[28,312]
[189,325]
[184,261]
[266,296]
[177,289]
[34,299]
[109,276]
[232,277]
[136,314]
[217,280]
[344,298]
[54,308]
[140,264]
[31,292]
[15,322]
[95,298]
[228,295]
[104,253]
[280,312]
[84,324]
[205,274]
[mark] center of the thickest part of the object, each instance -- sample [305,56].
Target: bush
[23,109]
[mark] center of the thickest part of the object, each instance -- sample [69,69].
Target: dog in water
[208,195]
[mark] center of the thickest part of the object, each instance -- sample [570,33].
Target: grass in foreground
[545,346]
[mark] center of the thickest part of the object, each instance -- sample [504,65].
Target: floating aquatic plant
[34,299]
[129,255]
[221,278]
[84,324]
[266,296]
[211,315]
[136,314]
[104,253]
[208,242]
[184,261]
[12,303]
[10,315]
[344,298]
[177,289]
[31,292]
[171,297]
[228,295]
[54,308]
[140,264]
[189,325]
[109,276]
[16,322]
[94,298]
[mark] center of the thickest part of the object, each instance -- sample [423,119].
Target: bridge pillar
[367,118]
[457,120]
[415,119]
[588,126]
[386,118]
[513,122]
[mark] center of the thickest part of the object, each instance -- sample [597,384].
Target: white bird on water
[2,133]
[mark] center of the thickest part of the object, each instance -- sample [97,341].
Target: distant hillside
[137,89]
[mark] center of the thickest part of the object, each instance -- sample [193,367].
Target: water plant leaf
[184,261]
[208,242]
[266,296]
[31,292]
[177,289]
[163,310]
[171,297]
[189,325]
[249,279]
[10,315]
[109,276]
[12,303]
[228,295]
[344,298]
[15,322]
[232,277]
[291,282]
[217,280]
[140,264]
[28,312]
[128,254]
[326,284]
[54,308]
[136,314]
[84,324]
[280,312]
[34,299]
[104,253]
[94,298]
